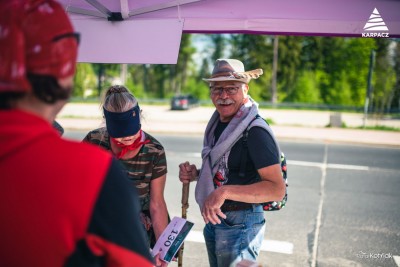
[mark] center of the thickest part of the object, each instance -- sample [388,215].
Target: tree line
[311,70]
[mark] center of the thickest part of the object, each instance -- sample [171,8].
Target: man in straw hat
[229,194]
[62,203]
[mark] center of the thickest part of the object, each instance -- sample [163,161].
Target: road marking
[277,246]
[293,162]
[348,167]
[319,215]
[195,236]
[304,163]
[397,260]
[267,245]
[332,166]
[184,154]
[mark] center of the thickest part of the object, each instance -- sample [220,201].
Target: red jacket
[63,203]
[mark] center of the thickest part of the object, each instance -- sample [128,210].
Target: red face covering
[125,148]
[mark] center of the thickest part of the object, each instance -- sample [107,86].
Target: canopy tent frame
[161,20]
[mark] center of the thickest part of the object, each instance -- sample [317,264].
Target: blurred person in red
[62,203]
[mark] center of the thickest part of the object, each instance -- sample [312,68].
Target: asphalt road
[343,206]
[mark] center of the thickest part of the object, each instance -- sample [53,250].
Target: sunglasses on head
[75,35]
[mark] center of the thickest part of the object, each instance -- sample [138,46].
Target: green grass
[79,117]
[80,100]
[380,128]
[377,127]
[97,100]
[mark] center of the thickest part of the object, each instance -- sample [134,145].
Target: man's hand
[212,207]
[187,172]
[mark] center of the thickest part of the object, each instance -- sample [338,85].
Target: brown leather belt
[236,206]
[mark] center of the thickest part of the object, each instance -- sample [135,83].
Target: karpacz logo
[375,26]
[375,34]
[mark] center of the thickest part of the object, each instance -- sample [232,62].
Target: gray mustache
[225,101]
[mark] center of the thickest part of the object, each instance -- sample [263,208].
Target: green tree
[385,76]
[84,80]
[219,43]
[162,80]
[395,97]
[134,81]
[334,87]
[200,88]
[305,89]
[106,74]
[357,56]
[289,51]
[255,51]
[311,57]
[185,59]
[217,47]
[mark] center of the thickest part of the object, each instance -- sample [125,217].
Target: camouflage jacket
[150,163]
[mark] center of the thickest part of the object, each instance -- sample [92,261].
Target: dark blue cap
[123,124]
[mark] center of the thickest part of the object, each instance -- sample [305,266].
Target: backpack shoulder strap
[264,125]
[242,170]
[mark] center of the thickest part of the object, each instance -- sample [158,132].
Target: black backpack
[272,205]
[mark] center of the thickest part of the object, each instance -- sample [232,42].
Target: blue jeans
[237,237]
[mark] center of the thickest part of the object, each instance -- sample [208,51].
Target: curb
[288,133]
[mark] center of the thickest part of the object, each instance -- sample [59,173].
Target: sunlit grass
[380,128]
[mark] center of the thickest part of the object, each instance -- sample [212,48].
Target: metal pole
[185,206]
[369,86]
[274,91]
[100,78]
[124,73]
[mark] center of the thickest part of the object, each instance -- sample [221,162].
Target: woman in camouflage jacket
[141,154]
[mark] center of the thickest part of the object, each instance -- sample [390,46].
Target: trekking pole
[185,206]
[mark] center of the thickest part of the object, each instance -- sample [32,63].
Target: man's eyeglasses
[229,90]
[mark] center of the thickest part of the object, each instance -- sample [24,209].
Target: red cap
[32,41]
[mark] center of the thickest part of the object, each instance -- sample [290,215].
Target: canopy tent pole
[100,7]
[161,6]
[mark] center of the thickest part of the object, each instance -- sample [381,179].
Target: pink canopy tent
[133,31]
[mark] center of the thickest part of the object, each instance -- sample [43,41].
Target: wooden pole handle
[185,206]
[185,199]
